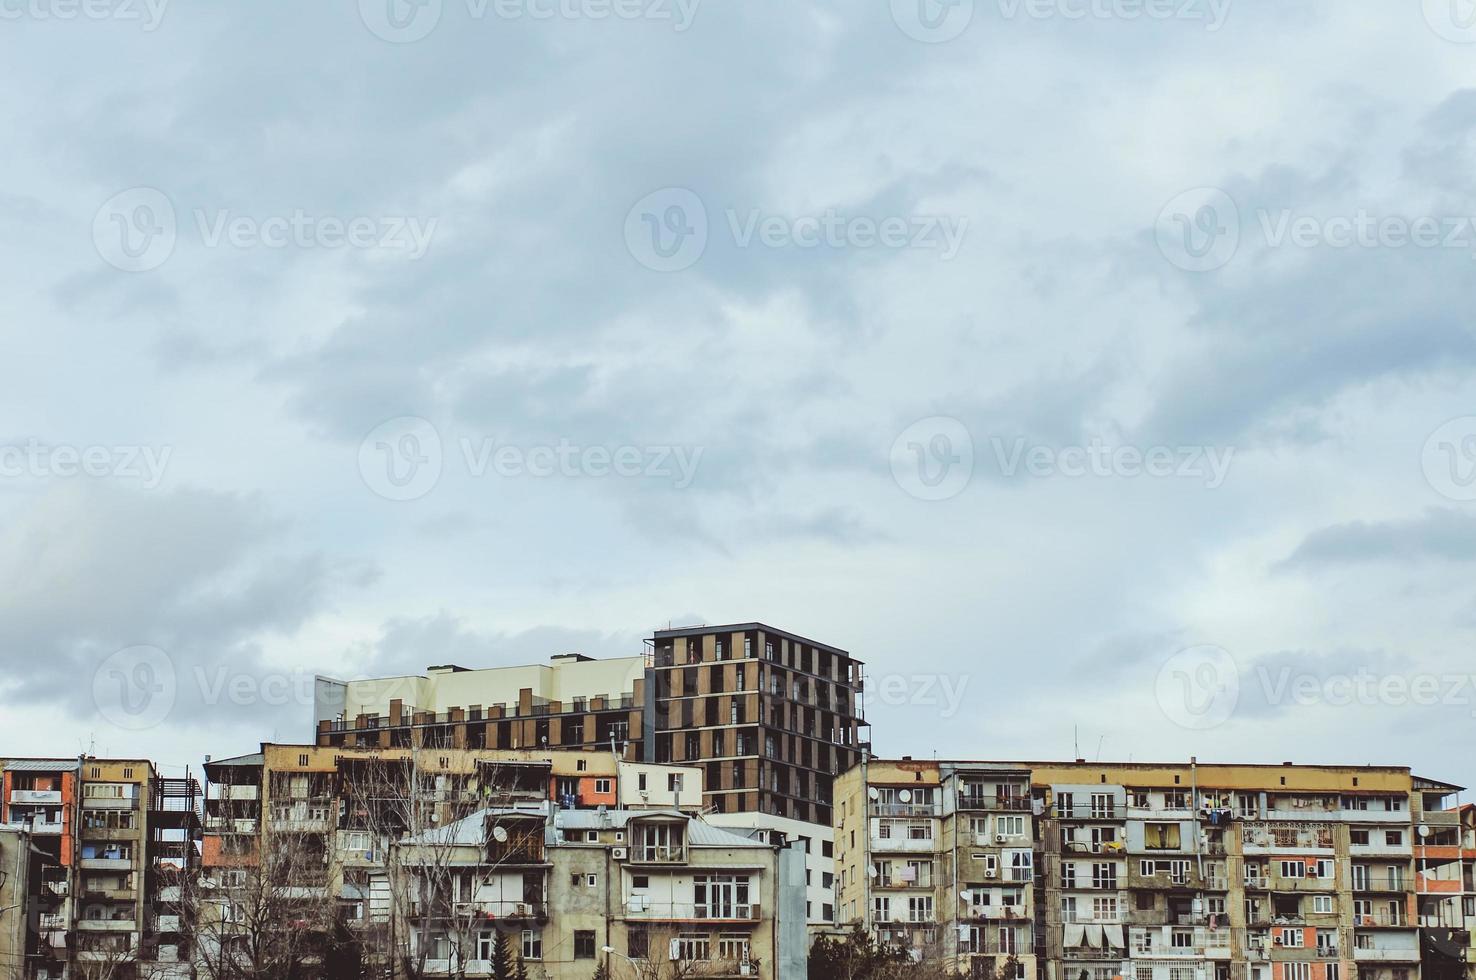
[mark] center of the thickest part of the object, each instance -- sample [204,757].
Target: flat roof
[1183,764]
[744,627]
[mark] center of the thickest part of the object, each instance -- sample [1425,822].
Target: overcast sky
[1098,371]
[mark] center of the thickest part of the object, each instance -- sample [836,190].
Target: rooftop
[743,628]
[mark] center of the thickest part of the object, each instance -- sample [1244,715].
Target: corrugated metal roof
[254,759]
[472,830]
[700,833]
[39,765]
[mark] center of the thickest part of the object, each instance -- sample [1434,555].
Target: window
[302,760]
[1322,904]
[733,947]
[721,896]
[919,908]
[1161,836]
[1104,909]
[641,782]
[602,786]
[1104,876]
[1021,868]
[691,946]
[1291,938]
[1358,836]
[532,944]
[1293,869]
[640,881]
[1296,971]
[674,782]
[1011,826]
[1394,838]
[637,943]
[584,944]
[1068,875]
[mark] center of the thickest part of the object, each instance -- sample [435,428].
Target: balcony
[905,810]
[45,796]
[108,925]
[109,833]
[990,801]
[1303,885]
[1375,955]
[999,913]
[231,825]
[107,864]
[1381,882]
[1089,812]
[501,911]
[1383,918]
[902,845]
[639,910]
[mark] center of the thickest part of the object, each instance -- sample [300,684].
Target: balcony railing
[991,801]
[1381,882]
[664,911]
[904,809]
[904,845]
[36,796]
[1383,955]
[1382,917]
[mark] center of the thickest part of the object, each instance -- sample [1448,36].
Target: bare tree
[441,826]
[265,911]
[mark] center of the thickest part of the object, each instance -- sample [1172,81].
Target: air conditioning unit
[1000,838]
[618,853]
[991,873]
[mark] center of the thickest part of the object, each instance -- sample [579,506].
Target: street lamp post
[612,951]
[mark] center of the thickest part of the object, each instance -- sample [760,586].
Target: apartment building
[111,838]
[573,702]
[1091,871]
[769,717]
[443,849]
[772,717]
[569,889]
[15,895]
[1445,881]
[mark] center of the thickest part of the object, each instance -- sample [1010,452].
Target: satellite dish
[905,795]
[872,792]
[871,871]
[499,834]
[1424,830]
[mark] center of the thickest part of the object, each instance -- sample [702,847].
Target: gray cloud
[1439,533]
